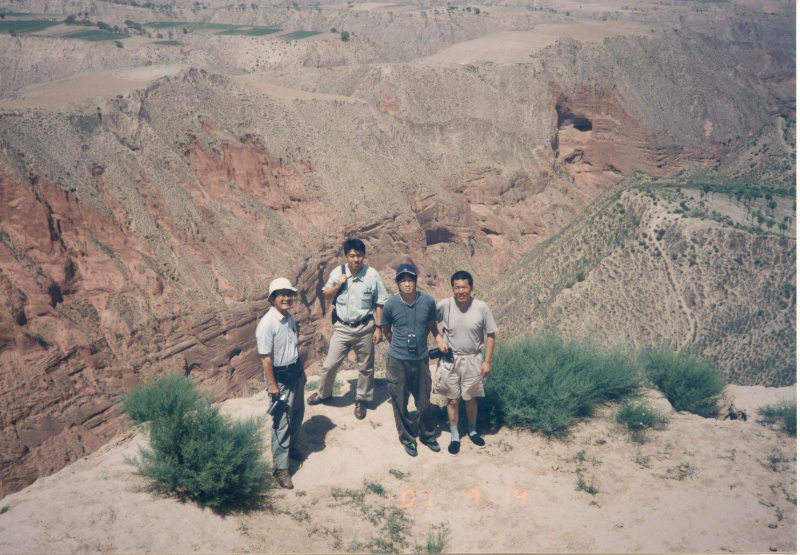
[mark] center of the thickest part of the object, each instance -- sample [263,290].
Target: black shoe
[454,447]
[361,409]
[411,448]
[433,445]
[477,440]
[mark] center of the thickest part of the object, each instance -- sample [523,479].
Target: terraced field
[26,25]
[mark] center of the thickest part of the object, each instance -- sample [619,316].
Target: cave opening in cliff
[55,295]
[439,235]
[566,118]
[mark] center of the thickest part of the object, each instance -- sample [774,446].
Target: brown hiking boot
[283,478]
[361,409]
[314,399]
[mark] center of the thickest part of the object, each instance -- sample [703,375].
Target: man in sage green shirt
[360,300]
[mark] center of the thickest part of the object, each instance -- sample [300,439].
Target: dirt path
[700,485]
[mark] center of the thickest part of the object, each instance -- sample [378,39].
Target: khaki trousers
[343,339]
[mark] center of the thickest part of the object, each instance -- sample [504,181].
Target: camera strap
[334,316]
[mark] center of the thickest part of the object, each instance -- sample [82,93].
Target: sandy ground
[699,486]
[291,94]
[509,47]
[105,84]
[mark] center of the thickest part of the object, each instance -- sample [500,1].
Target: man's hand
[486,367]
[441,344]
[272,389]
[377,335]
[342,279]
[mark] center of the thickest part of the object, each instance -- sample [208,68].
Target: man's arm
[330,293]
[272,385]
[387,332]
[486,367]
[377,316]
[440,342]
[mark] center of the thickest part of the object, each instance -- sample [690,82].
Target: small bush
[438,536]
[194,450]
[546,383]
[640,415]
[687,382]
[785,413]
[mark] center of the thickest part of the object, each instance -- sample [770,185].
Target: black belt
[356,324]
[288,375]
[291,366]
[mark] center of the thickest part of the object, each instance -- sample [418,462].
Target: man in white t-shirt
[465,320]
[276,339]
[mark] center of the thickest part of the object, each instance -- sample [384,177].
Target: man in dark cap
[407,318]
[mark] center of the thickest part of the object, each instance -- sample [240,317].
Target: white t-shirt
[464,330]
[276,335]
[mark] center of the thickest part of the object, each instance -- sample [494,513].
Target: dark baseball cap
[406,269]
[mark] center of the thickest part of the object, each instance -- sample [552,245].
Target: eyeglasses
[289,296]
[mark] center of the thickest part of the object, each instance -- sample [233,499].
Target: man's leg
[337,350]
[296,411]
[279,435]
[448,383]
[365,355]
[473,388]
[472,410]
[420,386]
[396,381]
[452,417]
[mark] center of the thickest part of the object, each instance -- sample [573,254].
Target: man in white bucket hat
[276,339]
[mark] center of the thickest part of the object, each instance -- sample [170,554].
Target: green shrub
[163,398]
[783,412]
[687,382]
[639,415]
[194,450]
[546,383]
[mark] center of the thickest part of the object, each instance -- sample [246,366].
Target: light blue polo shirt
[362,294]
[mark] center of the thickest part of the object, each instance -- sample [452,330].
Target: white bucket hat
[280,283]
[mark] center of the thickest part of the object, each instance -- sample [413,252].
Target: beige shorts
[461,378]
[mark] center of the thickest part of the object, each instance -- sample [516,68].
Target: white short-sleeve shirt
[276,335]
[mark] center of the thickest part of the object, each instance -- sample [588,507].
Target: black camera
[277,403]
[412,344]
[436,353]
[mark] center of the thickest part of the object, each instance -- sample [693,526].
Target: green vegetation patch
[298,35]
[95,36]
[786,413]
[250,31]
[638,416]
[687,382]
[26,25]
[194,450]
[168,24]
[262,31]
[546,383]
[168,43]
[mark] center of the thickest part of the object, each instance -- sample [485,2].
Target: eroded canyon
[141,224]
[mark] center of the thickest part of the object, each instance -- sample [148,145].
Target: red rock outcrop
[600,142]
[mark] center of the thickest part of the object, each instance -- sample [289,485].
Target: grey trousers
[343,339]
[412,377]
[285,428]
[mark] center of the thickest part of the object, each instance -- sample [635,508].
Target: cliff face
[139,235]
